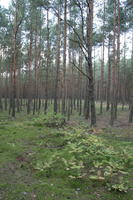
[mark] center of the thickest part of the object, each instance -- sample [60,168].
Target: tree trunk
[109,76]
[64,60]
[102,66]
[57,63]
[89,61]
[48,64]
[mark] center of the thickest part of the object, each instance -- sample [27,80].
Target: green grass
[31,165]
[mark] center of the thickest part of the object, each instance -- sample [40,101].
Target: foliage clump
[50,120]
[89,157]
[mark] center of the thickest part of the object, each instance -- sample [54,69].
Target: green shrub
[89,157]
[50,120]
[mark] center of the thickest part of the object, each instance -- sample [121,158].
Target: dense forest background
[66,55]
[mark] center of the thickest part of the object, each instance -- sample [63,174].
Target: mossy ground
[23,145]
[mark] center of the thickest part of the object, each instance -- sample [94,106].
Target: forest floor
[27,171]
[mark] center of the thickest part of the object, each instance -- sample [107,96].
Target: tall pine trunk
[89,62]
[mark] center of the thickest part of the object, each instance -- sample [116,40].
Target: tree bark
[89,61]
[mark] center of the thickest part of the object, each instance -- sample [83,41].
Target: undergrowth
[59,163]
[85,156]
[50,120]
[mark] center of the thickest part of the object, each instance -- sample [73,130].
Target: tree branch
[80,70]
[74,30]
[79,46]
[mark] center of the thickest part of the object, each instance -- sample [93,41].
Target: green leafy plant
[86,156]
[120,187]
[50,120]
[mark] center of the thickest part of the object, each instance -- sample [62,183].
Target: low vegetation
[50,120]
[40,162]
